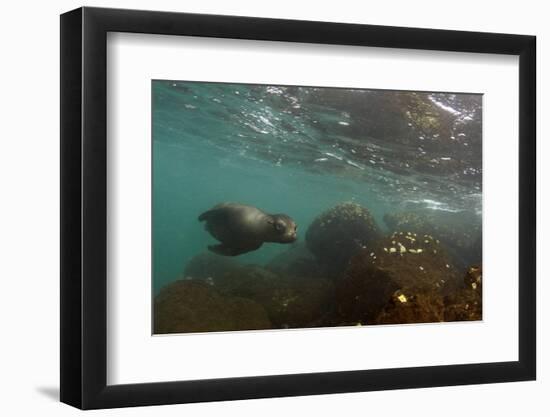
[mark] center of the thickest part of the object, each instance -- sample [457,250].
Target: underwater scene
[278,207]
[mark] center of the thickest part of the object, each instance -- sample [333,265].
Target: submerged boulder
[406,306]
[297,261]
[339,233]
[460,232]
[466,304]
[187,306]
[362,293]
[209,266]
[290,301]
[416,265]
[473,279]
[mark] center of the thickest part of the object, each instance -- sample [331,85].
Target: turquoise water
[298,151]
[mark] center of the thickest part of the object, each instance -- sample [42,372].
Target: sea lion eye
[279,226]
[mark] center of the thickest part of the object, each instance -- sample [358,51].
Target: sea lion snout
[284,227]
[289,237]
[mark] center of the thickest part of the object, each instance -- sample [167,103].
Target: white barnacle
[447,265]
[402,298]
[385,249]
[419,250]
[412,250]
[402,249]
[421,268]
[393,250]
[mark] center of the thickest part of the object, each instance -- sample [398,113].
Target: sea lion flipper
[226,250]
[206,215]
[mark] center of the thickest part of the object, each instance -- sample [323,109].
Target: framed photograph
[256,208]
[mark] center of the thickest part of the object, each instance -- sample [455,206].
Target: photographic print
[288,207]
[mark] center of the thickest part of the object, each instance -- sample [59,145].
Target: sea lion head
[282,229]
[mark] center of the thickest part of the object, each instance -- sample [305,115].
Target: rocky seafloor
[349,271]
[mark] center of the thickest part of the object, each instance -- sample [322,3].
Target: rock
[415,264]
[209,266]
[339,233]
[290,301]
[362,293]
[473,279]
[302,304]
[463,306]
[188,306]
[466,304]
[415,260]
[460,232]
[247,281]
[297,261]
[407,307]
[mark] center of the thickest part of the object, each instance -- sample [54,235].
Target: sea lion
[241,228]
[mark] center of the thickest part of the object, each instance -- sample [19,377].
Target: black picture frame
[84,207]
